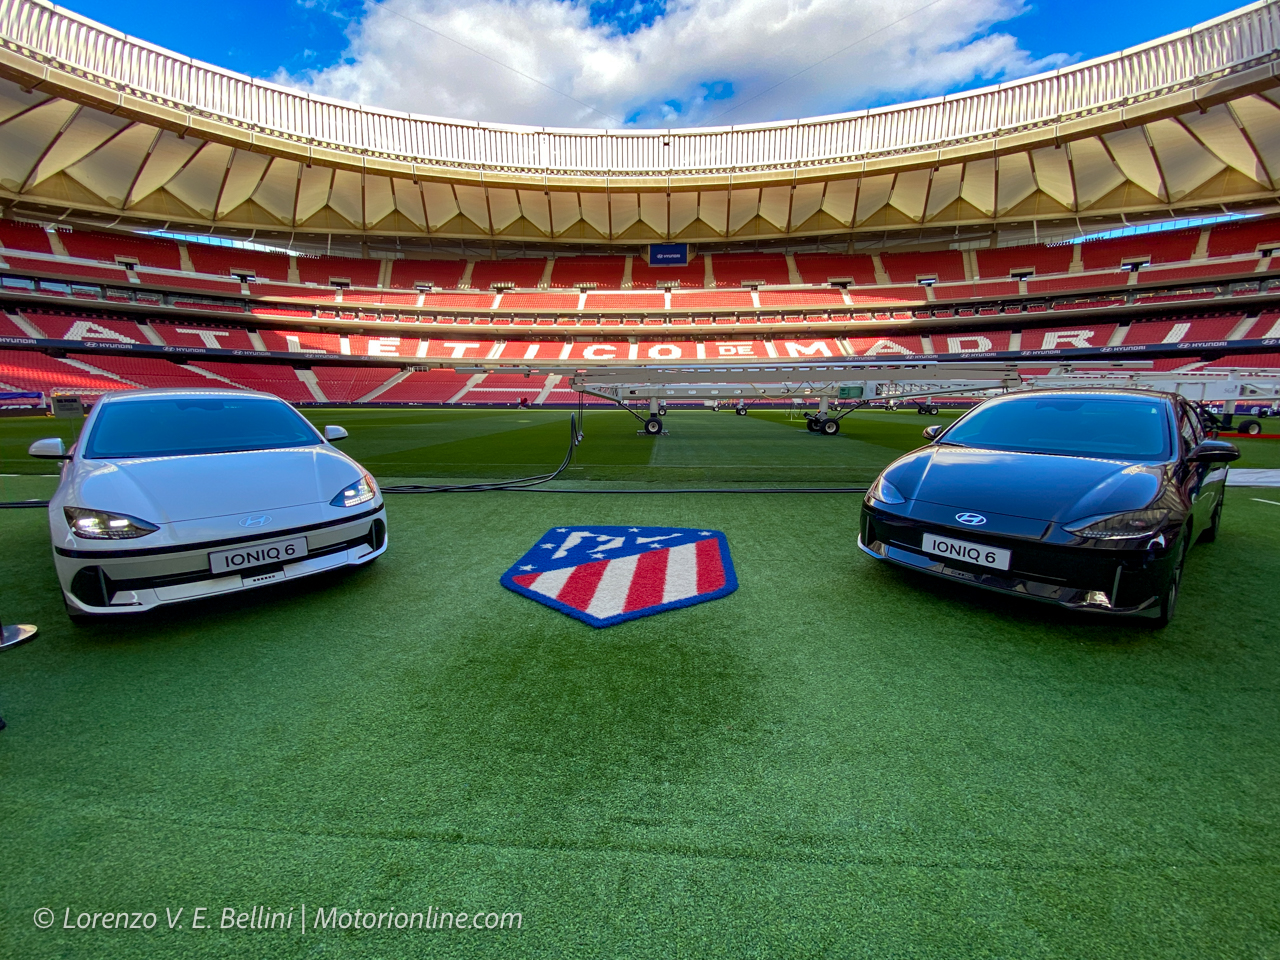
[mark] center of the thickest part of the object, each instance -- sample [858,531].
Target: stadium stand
[349,384]
[1170,246]
[725,298]
[145,251]
[1235,239]
[147,371]
[279,379]
[15,235]
[779,298]
[301,341]
[1042,260]
[605,272]
[540,301]
[733,269]
[524,273]
[425,386]
[200,335]
[971,341]
[458,301]
[626,301]
[946,265]
[441,274]
[184,281]
[10,329]
[30,370]
[1248,361]
[825,267]
[323,270]
[390,345]
[886,346]
[645,277]
[1078,281]
[1065,338]
[1181,331]
[221,261]
[56,326]
[62,268]
[1265,327]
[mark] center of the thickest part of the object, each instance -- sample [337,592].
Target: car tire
[1251,428]
[653,426]
[1210,532]
[1172,590]
[830,427]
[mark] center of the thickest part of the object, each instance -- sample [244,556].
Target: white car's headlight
[885,492]
[1120,526]
[354,494]
[101,525]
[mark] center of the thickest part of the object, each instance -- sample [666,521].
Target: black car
[1089,499]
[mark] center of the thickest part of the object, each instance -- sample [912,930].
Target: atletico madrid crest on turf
[604,575]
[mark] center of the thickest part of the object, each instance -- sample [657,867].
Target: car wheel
[653,426]
[1172,589]
[1251,428]
[830,427]
[1210,533]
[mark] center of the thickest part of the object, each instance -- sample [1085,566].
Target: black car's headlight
[885,492]
[354,494]
[1119,526]
[101,525]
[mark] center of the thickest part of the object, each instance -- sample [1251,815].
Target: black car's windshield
[181,426]
[1124,428]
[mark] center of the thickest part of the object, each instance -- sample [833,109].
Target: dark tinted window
[179,426]
[1125,428]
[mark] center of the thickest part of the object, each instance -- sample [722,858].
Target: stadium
[528,331]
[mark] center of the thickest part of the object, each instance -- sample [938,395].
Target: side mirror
[1214,451]
[51,448]
[334,434]
[931,432]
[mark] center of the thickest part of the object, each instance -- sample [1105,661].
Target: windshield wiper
[950,443]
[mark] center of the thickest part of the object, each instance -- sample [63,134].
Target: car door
[1197,480]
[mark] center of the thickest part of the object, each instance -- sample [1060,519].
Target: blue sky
[334,47]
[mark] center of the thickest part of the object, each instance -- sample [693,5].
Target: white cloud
[671,73]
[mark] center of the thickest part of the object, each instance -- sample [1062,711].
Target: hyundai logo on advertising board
[971,519]
[668,254]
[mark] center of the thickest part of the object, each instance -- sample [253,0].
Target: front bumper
[1120,581]
[125,581]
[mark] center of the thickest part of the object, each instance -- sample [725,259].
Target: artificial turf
[839,760]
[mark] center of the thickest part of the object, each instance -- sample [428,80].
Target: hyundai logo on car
[255,520]
[970,519]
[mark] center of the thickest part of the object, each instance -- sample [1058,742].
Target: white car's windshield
[182,426]
[1128,428]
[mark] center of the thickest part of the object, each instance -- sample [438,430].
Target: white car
[171,495]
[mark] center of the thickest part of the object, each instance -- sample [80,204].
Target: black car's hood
[1030,485]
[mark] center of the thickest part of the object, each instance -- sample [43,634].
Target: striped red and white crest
[605,575]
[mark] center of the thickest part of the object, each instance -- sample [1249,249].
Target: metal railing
[64,40]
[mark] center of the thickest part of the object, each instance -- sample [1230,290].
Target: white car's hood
[174,489]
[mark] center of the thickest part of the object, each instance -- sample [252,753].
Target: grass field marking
[1272,502]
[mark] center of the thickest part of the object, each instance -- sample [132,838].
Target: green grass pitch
[839,760]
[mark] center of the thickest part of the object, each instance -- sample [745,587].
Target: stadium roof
[95,124]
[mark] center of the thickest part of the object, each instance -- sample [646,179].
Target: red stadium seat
[441,274]
[29,370]
[999,263]
[946,265]
[1173,246]
[324,270]
[732,269]
[425,386]
[824,267]
[222,261]
[349,384]
[523,273]
[145,251]
[200,335]
[645,277]
[605,272]
[1234,239]
[1181,331]
[24,236]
